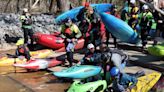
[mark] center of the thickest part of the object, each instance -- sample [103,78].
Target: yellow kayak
[146,82]
[5,61]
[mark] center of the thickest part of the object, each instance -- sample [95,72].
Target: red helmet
[87,4]
[68,31]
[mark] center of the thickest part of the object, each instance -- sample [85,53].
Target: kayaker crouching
[122,82]
[22,50]
[90,56]
[112,58]
[71,33]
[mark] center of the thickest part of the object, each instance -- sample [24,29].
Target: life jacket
[72,31]
[22,50]
[145,18]
[26,20]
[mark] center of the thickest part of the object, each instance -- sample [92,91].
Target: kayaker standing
[84,25]
[160,24]
[146,18]
[95,33]
[90,23]
[133,14]
[71,33]
[26,20]
[22,49]
[114,13]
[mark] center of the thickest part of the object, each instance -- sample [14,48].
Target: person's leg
[143,37]
[107,38]
[25,30]
[117,61]
[70,58]
[114,41]
[30,33]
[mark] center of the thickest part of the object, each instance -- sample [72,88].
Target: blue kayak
[79,72]
[74,12]
[119,28]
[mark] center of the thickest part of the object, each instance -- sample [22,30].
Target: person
[122,82]
[22,49]
[84,25]
[90,16]
[111,58]
[159,18]
[90,56]
[26,20]
[146,18]
[133,14]
[71,33]
[114,13]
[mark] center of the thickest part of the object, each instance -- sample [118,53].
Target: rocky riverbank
[10,27]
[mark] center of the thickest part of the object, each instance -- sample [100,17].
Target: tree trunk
[51,6]
[63,6]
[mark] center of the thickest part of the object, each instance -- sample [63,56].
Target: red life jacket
[22,49]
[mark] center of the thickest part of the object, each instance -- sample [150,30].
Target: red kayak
[49,40]
[55,42]
[38,64]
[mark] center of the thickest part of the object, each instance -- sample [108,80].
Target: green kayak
[96,86]
[157,50]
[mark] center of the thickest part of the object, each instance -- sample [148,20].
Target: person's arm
[17,52]
[62,29]
[133,81]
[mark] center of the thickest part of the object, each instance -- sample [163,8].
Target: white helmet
[145,7]
[90,46]
[133,1]
[25,10]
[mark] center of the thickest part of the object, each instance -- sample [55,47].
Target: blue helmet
[114,71]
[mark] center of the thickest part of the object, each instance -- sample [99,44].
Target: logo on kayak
[88,70]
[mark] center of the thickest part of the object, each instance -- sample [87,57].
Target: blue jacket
[123,81]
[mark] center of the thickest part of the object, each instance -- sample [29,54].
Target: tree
[63,5]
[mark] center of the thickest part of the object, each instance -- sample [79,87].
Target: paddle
[13,56]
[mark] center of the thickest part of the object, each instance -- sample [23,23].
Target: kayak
[157,50]
[74,12]
[41,53]
[145,83]
[119,28]
[96,86]
[49,40]
[79,72]
[6,61]
[55,42]
[38,64]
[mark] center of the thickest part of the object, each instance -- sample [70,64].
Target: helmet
[87,4]
[114,71]
[25,10]
[90,46]
[20,42]
[132,1]
[145,7]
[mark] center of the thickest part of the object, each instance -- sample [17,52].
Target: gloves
[21,57]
